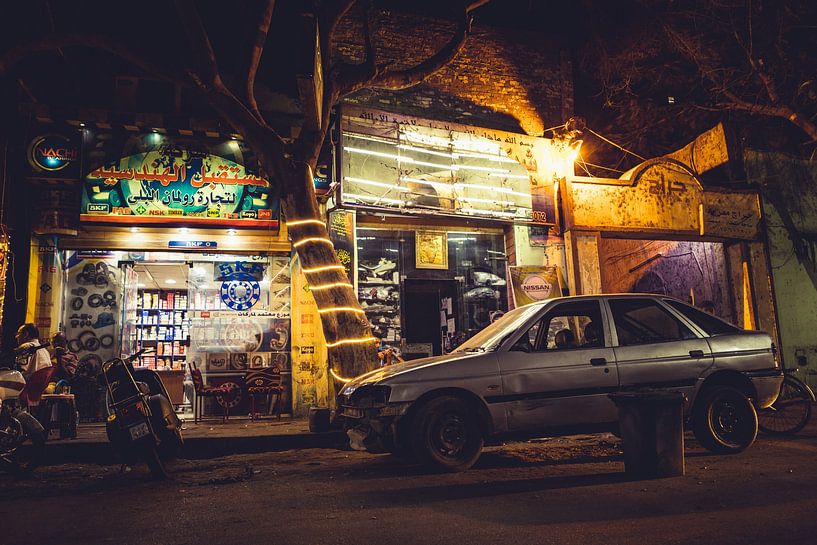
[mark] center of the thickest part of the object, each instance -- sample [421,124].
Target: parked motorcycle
[17,425]
[141,422]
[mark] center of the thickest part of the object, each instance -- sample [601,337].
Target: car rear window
[712,325]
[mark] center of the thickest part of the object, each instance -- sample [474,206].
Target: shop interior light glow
[303,241]
[295,223]
[324,268]
[330,286]
[358,340]
[340,309]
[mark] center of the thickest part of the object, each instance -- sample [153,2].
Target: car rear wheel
[446,435]
[726,421]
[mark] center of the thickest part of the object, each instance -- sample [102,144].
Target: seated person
[591,335]
[565,339]
[64,361]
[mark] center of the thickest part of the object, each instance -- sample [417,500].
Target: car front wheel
[726,421]
[446,435]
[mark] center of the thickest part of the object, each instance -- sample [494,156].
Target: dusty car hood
[398,369]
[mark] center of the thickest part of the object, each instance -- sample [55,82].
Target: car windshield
[490,337]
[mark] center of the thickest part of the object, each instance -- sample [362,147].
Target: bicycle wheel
[789,413]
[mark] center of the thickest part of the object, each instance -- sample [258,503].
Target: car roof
[605,296]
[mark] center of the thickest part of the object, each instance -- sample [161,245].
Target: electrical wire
[603,168]
[591,131]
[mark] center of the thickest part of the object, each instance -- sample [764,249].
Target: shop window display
[458,301]
[239,320]
[92,310]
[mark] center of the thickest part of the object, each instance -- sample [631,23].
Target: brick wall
[503,79]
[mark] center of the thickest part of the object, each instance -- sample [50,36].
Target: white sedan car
[548,369]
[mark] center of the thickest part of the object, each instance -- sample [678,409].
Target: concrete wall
[789,189]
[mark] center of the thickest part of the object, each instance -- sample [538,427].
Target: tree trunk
[351,347]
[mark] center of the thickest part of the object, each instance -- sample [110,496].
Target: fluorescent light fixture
[170,281]
[492,188]
[487,201]
[448,155]
[371,182]
[494,158]
[134,229]
[482,211]
[184,230]
[372,198]
[370,138]
[482,169]
[510,176]
[444,185]
[379,154]
[232,232]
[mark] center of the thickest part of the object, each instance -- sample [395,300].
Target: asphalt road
[562,491]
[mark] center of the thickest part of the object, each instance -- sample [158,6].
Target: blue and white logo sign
[240,294]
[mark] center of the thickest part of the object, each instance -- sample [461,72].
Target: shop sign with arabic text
[153,187]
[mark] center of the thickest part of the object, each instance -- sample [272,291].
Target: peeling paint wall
[679,269]
[789,191]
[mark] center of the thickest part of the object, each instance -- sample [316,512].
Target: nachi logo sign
[52,153]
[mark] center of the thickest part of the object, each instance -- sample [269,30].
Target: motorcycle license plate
[139,430]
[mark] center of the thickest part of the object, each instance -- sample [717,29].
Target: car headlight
[370,396]
[348,389]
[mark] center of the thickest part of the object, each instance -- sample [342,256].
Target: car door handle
[696,353]
[598,361]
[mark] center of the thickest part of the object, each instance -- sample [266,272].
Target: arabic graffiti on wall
[154,187]
[310,367]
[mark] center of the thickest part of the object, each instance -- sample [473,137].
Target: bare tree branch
[254,59]
[775,110]
[53,42]
[349,82]
[204,58]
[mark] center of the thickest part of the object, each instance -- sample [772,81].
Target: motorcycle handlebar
[8,360]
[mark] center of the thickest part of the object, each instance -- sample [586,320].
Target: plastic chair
[35,386]
[201,391]
[64,408]
[264,382]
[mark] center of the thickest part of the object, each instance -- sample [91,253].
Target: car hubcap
[727,421]
[451,435]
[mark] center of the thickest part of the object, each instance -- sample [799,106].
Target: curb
[196,448]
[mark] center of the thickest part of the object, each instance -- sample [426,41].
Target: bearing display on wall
[89,340]
[240,294]
[77,303]
[75,345]
[106,341]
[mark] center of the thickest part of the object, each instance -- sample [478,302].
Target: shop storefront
[178,251]
[438,213]
[661,231]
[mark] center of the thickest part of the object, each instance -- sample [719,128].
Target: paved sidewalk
[208,439]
